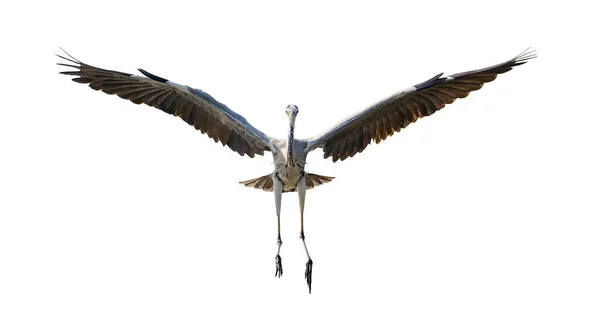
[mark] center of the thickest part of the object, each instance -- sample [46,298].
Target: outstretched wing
[390,115]
[194,106]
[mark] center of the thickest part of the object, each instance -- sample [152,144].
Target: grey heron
[346,139]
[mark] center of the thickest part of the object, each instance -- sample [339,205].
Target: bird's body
[346,139]
[289,175]
[289,167]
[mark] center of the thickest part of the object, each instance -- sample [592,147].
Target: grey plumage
[396,112]
[194,106]
[346,139]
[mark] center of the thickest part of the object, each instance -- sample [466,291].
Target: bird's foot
[308,274]
[278,267]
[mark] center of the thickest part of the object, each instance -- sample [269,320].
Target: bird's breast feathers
[289,175]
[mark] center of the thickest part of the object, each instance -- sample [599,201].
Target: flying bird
[346,139]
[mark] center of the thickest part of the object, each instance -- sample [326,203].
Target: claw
[278,267]
[308,274]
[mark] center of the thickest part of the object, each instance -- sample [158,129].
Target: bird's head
[292,112]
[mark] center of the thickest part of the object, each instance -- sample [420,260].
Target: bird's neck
[290,144]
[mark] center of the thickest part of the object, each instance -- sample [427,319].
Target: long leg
[309,263]
[278,190]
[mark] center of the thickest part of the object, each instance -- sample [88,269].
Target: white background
[120,217]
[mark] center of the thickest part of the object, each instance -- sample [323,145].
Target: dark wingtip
[152,76]
[72,58]
[525,56]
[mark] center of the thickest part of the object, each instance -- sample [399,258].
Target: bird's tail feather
[265,183]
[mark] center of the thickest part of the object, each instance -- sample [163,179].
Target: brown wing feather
[395,113]
[201,113]
[265,183]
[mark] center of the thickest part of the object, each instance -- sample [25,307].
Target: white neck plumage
[290,144]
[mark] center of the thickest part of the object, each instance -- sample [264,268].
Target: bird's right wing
[194,106]
[390,115]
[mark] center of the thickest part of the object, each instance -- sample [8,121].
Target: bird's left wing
[390,115]
[194,106]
